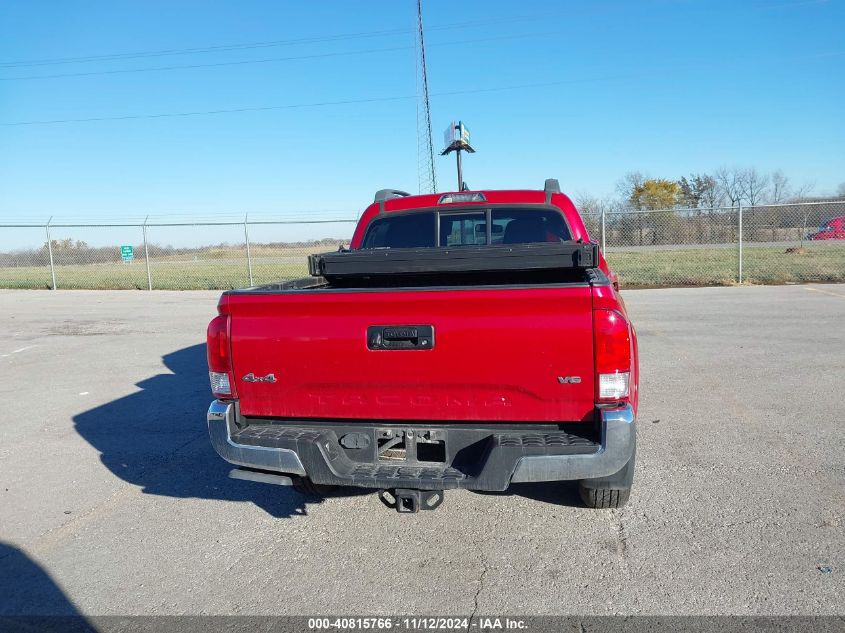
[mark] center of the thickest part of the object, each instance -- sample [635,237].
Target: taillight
[613,355]
[219,358]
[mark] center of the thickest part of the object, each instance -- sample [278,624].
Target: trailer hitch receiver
[407,500]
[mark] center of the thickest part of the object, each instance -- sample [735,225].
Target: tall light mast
[427,178]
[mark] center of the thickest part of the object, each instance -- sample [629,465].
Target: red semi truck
[465,340]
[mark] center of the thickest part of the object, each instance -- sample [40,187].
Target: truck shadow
[157,439]
[559,493]
[30,595]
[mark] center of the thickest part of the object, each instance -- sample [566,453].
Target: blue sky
[666,87]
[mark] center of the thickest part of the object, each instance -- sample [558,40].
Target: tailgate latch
[397,337]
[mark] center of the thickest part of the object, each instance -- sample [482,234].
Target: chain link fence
[214,255]
[764,244]
[673,247]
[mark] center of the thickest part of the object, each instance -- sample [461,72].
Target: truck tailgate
[497,354]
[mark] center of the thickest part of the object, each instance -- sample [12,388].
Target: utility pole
[739,242]
[147,254]
[50,250]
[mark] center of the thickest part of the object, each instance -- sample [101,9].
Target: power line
[268,60]
[272,43]
[317,104]
[191,51]
[121,71]
[210,112]
[548,16]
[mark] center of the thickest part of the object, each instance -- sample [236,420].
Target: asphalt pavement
[112,500]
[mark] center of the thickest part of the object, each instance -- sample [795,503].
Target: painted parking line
[17,351]
[827,292]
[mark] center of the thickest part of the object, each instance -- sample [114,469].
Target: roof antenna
[457,139]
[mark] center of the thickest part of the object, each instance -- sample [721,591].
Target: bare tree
[780,190]
[802,192]
[731,183]
[626,188]
[591,209]
[775,191]
[753,185]
[587,204]
[711,196]
[629,184]
[840,190]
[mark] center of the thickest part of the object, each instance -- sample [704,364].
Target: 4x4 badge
[250,377]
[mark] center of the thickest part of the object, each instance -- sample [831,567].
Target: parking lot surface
[112,500]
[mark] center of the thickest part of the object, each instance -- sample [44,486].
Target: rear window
[474,227]
[401,231]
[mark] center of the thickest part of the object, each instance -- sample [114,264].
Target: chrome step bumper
[618,438]
[221,426]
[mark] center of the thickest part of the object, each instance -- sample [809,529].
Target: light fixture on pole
[457,140]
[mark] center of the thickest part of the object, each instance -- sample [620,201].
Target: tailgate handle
[398,337]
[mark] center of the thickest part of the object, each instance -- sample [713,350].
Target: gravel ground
[112,500]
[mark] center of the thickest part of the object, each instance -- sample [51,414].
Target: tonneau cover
[346,264]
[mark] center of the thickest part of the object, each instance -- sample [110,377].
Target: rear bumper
[496,458]
[221,425]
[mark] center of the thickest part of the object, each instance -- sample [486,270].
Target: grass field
[636,268]
[718,266]
[200,274]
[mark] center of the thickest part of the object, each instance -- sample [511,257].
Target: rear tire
[612,491]
[304,486]
[604,498]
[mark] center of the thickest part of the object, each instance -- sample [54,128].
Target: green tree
[655,193]
[697,191]
[660,196]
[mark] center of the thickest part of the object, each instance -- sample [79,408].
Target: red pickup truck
[465,340]
[831,230]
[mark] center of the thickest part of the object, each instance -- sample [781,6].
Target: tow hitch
[409,500]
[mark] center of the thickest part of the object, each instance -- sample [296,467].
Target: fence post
[739,276]
[248,256]
[602,230]
[147,254]
[50,250]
